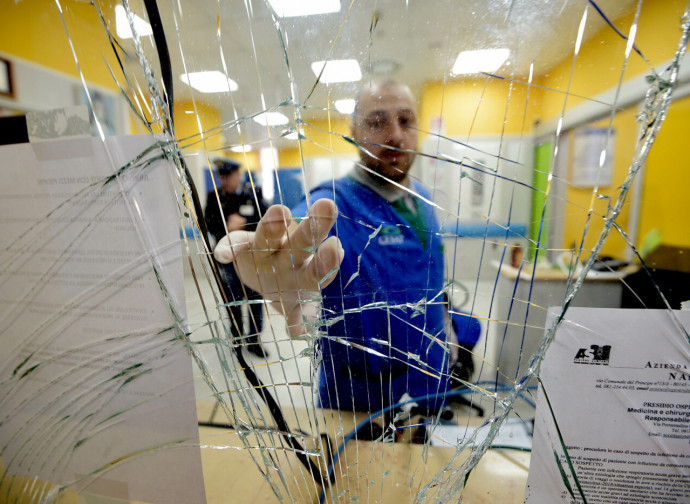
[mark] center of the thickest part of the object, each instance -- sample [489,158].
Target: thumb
[231,245]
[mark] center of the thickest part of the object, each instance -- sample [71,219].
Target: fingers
[328,258]
[231,246]
[312,230]
[286,255]
[301,319]
[271,233]
[273,229]
[321,268]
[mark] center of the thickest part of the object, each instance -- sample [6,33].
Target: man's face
[386,117]
[230,183]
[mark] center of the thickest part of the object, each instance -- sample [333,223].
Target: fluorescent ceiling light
[122,28]
[241,148]
[337,71]
[292,8]
[483,60]
[271,119]
[345,106]
[209,82]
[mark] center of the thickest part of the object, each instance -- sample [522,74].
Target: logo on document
[595,354]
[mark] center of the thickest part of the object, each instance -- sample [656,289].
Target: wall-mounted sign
[592,157]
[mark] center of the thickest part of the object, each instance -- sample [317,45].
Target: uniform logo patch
[391,235]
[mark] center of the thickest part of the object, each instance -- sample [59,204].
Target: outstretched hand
[287,262]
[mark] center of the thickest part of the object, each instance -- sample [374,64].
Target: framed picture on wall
[593,150]
[6,88]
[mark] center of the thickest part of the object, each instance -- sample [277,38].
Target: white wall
[38,88]
[483,183]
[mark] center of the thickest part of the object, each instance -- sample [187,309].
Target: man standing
[381,322]
[238,210]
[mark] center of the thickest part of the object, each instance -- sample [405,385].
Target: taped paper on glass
[619,384]
[97,392]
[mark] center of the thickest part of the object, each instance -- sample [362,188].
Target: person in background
[235,208]
[369,250]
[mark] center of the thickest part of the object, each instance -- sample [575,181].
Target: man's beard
[392,172]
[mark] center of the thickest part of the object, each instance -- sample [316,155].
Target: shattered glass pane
[543,145]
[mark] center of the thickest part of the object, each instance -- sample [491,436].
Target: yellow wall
[324,137]
[248,160]
[467,106]
[598,68]
[289,158]
[197,127]
[476,107]
[599,65]
[580,201]
[666,200]
[34,31]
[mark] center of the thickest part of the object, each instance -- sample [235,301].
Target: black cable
[218,425]
[277,414]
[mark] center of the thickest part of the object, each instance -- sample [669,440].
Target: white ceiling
[417,40]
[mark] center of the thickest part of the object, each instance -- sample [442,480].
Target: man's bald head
[383,83]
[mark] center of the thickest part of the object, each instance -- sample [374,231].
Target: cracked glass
[489,160]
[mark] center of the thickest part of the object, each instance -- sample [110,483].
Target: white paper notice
[96,390]
[619,385]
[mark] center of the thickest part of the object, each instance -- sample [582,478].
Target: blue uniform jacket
[383,321]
